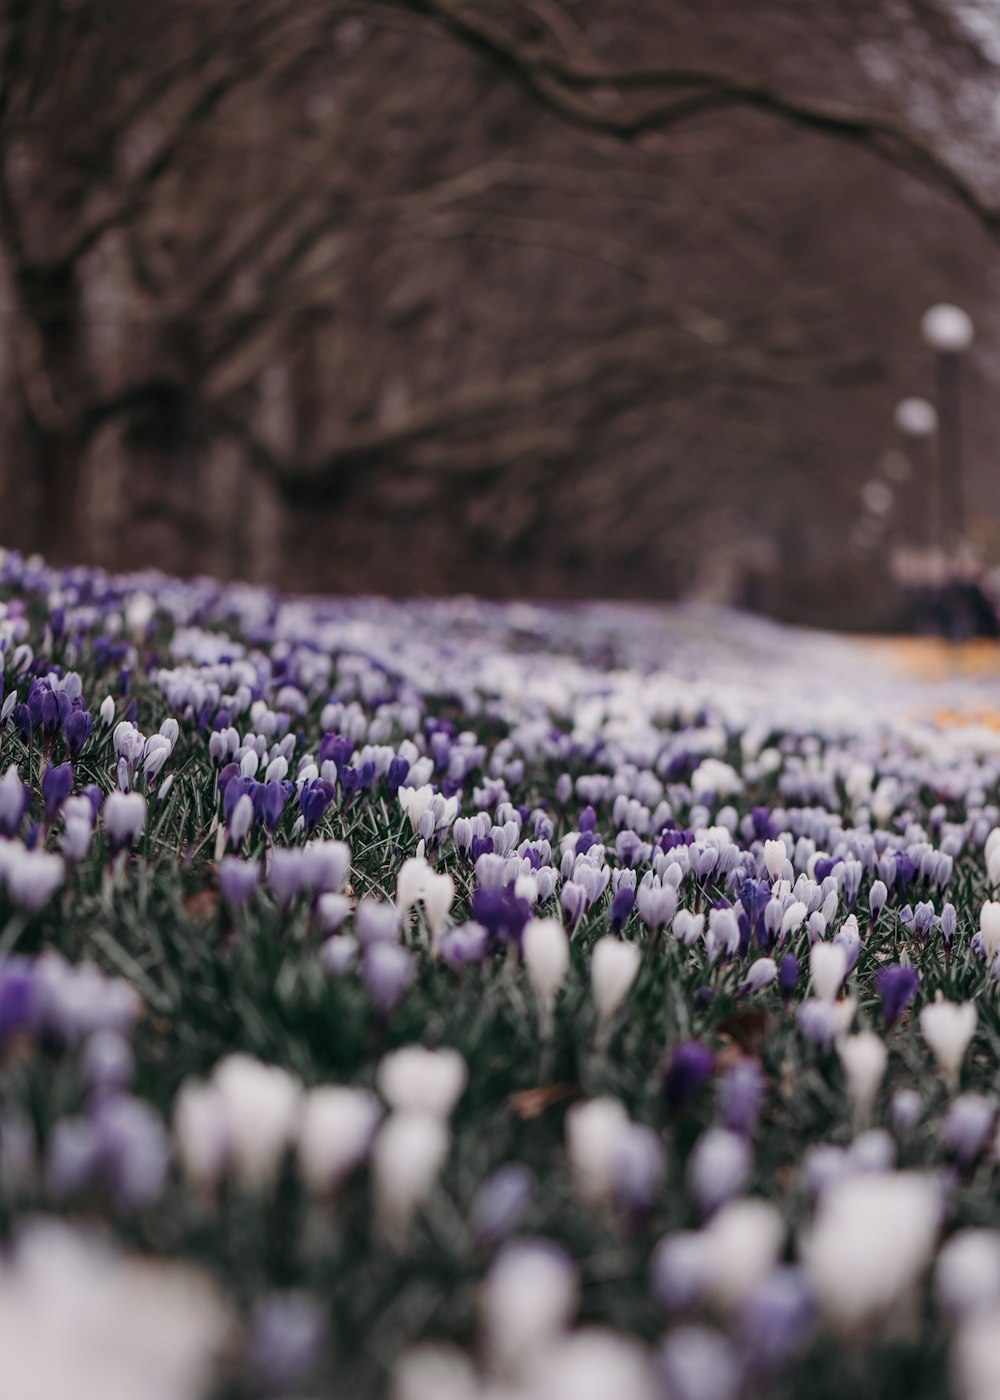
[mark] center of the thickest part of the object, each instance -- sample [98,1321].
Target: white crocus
[989,927]
[528,1297]
[417,1080]
[407,1157]
[967,1272]
[827,968]
[200,1134]
[260,1108]
[872,1240]
[594,1133]
[948,1027]
[863,1058]
[614,966]
[335,1133]
[743,1243]
[546,960]
[415,802]
[775,855]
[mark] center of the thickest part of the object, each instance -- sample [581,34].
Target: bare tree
[550,295]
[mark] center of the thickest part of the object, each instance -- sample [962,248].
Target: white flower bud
[335,1133]
[827,968]
[872,1239]
[408,1154]
[614,966]
[260,1105]
[775,855]
[546,960]
[417,1080]
[743,1243]
[528,1297]
[948,1027]
[863,1058]
[594,1133]
[989,920]
[967,1273]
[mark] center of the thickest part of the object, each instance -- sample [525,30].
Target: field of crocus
[448,1000]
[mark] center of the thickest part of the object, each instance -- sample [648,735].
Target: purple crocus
[388,969]
[57,784]
[967,1128]
[502,1202]
[77,729]
[740,1095]
[621,907]
[788,975]
[237,879]
[14,801]
[689,1066]
[286,1342]
[897,986]
[501,912]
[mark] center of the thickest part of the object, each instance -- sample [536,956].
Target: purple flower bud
[237,880]
[621,907]
[14,800]
[897,986]
[135,1150]
[388,970]
[689,1066]
[740,1095]
[463,945]
[698,1363]
[949,923]
[77,730]
[502,1202]
[777,1320]
[905,1110]
[286,873]
[73,1158]
[967,1127]
[287,1339]
[339,954]
[637,1169]
[375,922]
[106,1061]
[788,975]
[677,1271]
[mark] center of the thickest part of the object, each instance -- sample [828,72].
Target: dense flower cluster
[489,1000]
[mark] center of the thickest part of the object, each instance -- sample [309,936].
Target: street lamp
[949,332]
[917,420]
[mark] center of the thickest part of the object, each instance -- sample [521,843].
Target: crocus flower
[528,1298]
[948,1027]
[388,970]
[501,1202]
[614,966]
[897,986]
[872,1240]
[689,1066]
[418,1080]
[14,801]
[967,1128]
[718,1167]
[408,1154]
[124,818]
[336,1129]
[863,1058]
[287,1339]
[546,960]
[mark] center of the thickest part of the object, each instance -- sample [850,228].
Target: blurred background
[559,298]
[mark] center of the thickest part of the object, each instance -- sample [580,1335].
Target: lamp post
[949,332]
[917,420]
